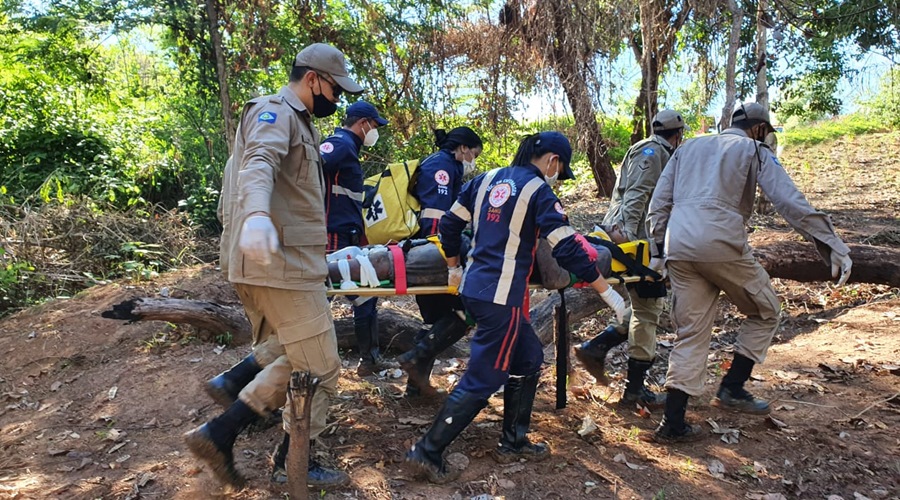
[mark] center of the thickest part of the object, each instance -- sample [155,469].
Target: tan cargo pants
[302,325]
[641,320]
[695,291]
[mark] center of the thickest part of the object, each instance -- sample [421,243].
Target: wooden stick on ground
[303,388]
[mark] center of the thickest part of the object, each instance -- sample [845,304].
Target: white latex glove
[615,301]
[454,278]
[259,239]
[840,265]
[658,264]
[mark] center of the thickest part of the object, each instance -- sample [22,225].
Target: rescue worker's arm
[267,141]
[455,220]
[661,202]
[334,156]
[553,225]
[644,171]
[813,225]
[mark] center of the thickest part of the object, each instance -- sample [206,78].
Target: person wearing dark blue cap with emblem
[510,209]
[438,183]
[343,212]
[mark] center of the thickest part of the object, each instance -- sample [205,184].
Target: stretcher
[419,268]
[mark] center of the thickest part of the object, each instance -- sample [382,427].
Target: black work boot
[213,441]
[732,396]
[673,428]
[419,361]
[225,387]
[366,330]
[636,393]
[426,456]
[592,353]
[518,402]
[316,475]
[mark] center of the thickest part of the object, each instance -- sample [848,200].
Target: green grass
[815,133]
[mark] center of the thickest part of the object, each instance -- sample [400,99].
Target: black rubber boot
[419,361]
[592,353]
[316,474]
[732,396]
[225,387]
[636,393]
[518,402]
[213,442]
[426,456]
[673,428]
[366,330]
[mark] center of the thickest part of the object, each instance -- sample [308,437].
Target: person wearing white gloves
[509,209]
[699,210]
[273,250]
[627,212]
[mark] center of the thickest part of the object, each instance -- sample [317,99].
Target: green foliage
[13,274]
[836,128]
[884,106]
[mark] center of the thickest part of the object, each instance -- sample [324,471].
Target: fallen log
[792,260]
[396,330]
[800,261]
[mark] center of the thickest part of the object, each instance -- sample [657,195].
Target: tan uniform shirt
[638,175]
[276,168]
[705,196]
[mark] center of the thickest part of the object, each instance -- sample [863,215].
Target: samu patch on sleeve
[267,116]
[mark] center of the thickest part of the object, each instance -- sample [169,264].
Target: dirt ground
[93,408]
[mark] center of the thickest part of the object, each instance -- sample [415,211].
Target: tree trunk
[215,38]
[791,260]
[396,330]
[568,67]
[734,42]
[762,85]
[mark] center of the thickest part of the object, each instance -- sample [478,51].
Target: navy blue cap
[557,143]
[363,109]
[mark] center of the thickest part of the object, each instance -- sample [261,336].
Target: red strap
[399,269]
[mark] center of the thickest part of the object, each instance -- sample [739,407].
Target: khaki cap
[325,58]
[750,111]
[667,120]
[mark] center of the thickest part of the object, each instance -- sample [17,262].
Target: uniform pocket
[309,165]
[304,251]
[760,291]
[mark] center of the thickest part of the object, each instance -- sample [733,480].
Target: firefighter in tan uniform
[273,247]
[699,209]
[628,207]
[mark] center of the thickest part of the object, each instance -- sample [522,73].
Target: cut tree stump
[301,391]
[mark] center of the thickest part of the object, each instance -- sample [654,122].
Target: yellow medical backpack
[390,210]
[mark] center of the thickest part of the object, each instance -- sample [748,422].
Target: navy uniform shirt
[438,185]
[343,182]
[510,208]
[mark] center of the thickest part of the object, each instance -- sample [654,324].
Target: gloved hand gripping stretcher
[417,267]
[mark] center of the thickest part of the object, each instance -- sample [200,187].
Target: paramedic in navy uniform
[343,212]
[509,208]
[439,181]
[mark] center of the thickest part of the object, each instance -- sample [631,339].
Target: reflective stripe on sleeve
[461,211]
[353,195]
[432,213]
[559,234]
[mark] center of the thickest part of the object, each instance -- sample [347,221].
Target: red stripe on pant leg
[505,340]
[512,343]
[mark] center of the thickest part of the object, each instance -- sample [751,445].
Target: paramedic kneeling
[509,208]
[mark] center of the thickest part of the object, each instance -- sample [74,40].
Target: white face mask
[468,167]
[551,180]
[371,137]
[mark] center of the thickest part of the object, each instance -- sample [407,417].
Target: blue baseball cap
[557,143]
[363,109]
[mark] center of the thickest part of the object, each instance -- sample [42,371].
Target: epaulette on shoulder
[276,99]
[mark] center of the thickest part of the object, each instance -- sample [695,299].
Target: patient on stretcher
[423,262]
